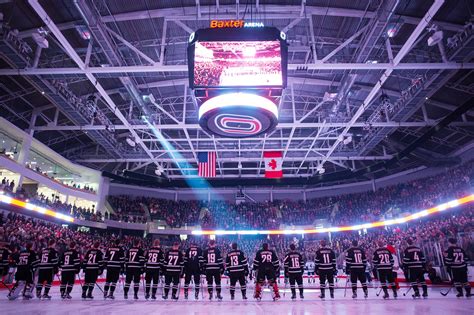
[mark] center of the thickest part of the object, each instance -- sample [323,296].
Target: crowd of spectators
[83,187]
[383,203]
[128,209]
[16,230]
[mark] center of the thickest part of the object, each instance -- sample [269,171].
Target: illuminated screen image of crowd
[244,63]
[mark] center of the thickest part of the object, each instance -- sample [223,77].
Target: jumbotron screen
[237,63]
[233,58]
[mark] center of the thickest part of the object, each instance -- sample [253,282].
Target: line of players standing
[174,264]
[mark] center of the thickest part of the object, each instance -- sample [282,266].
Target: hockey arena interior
[236,156]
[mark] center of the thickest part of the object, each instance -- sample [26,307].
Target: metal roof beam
[394,124]
[236,159]
[123,70]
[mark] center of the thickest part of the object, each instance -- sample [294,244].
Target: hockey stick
[380,291]
[451,281]
[380,283]
[201,287]
[345,287]
[101,290]
[405,293]
[447,292]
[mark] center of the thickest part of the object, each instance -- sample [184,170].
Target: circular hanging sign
[238,115]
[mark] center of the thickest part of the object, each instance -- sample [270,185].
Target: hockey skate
[174,297]
[322,296]
[46,297]
[135,296]
[354,295]
[425,295]
[276,296]
[416,295]
[386,296]
[301,296]
[219,297]
[17,289]
[293,296]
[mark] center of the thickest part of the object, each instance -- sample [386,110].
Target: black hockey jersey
[70,261]
[294,263]
[154,258]
[236,262]
[49,259]
[135,258]
[356,259]
[456,258]
[413,257]
[325,259]
[265,260]
[213,259]
[93,260]
[4,256]
[174,262]
[193,259]
[115,257]
[26,261]
[383,259]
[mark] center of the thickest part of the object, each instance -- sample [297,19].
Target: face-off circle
[238,115]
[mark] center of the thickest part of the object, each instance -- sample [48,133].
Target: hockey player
[134,265]
[114,262]
[26,263]
[325,267]
[193,264]
[237,266]
[356,262]
[48,267]
[267,266]
[214,268]
[383,264]
[154,260]
[70,264]
[93,266]
[172,269]
[4,256]
[414,262]
[456,261]
[294,269]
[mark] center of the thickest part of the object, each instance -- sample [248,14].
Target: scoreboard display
[253,57]
[237,71]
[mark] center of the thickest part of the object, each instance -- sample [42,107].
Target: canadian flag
[273,164]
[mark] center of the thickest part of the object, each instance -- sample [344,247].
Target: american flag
[207,164]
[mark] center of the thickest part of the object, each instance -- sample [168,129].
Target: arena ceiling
[363,84]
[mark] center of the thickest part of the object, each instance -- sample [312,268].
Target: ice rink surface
[435,304]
